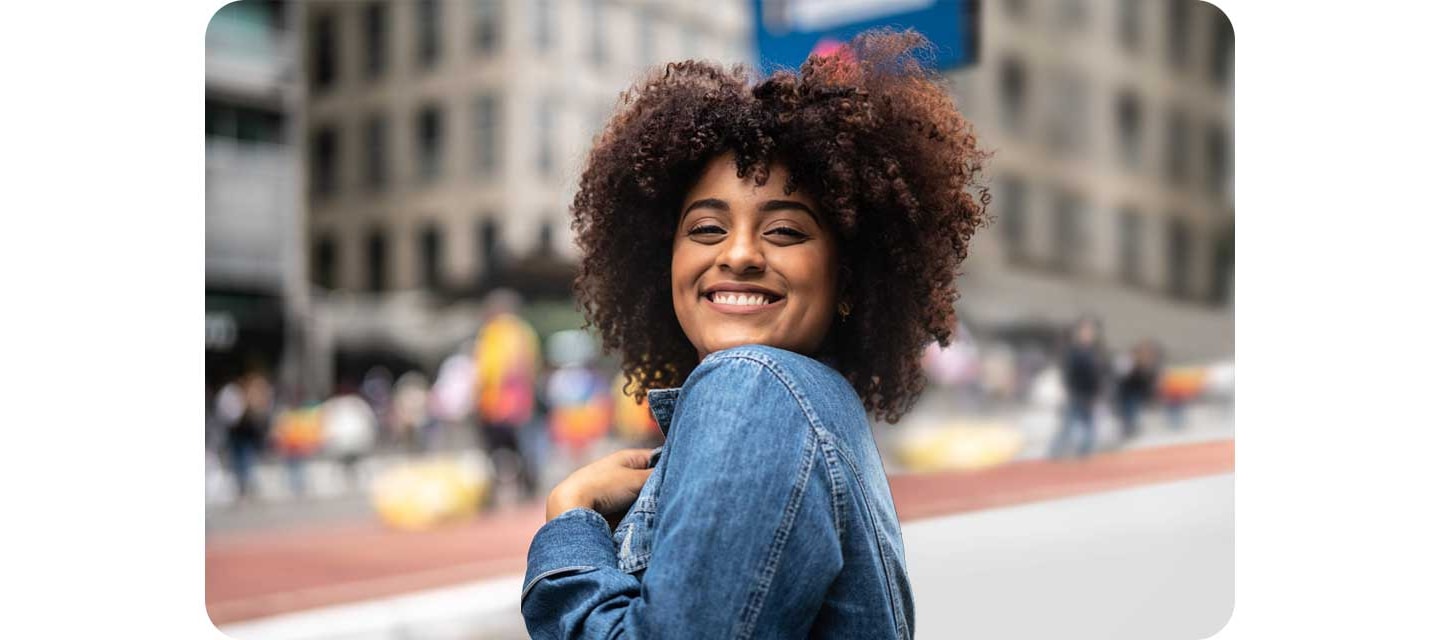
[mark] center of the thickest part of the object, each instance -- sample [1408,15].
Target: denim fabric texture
[768,515]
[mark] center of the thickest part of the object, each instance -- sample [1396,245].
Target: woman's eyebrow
[777,205]
[707,203]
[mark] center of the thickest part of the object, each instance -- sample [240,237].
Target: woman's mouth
[741,302]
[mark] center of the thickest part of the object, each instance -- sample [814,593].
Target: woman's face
[752,265]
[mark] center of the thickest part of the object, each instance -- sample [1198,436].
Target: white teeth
[738,299]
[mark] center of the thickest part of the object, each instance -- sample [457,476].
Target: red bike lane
[261,573]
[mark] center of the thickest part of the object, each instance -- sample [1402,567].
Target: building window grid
[1130,125]
[1131,230]
[1178,241]
[432,255]
[1014,205]
[428,36]
[487,133]
[1178,21]
[377,38]
[377,261]
[377,154]
[1177,148]
[430,143]
[324,162]
[325,262]
[486,26]
[1067,234]
[1014,94]
[324,67]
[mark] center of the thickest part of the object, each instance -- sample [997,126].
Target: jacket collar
[662,406]
[662,401]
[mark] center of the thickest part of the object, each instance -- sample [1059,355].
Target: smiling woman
[769,259]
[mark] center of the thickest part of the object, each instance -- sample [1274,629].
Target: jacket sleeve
[746,536]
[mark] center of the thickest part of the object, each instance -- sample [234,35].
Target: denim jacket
[768,515]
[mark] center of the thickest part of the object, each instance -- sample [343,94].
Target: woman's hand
[608,485]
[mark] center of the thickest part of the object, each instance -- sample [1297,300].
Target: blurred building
[1112,123]
[444,139]
[255,285]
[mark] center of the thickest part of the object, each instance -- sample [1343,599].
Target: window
[323,269]
[377,155]
[546,243]
[1067,125]
[1128,122]
[1222,277]
[1179,21]
[1178,247]
[376,261]
[1014,94]
[427,21]
[490,258]
[1131,26]
[1067,232]
[544,138]
[1013,207]
[377,38]
[430,142]
[431,257]
[322,52]
[1222,51]
[540,19]
[596,11]
[486,135]
[324,156]
[1177,148]
[485,26]
[1130,234]
[243,123]
[1218,171]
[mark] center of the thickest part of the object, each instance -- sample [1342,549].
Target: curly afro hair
[868,133]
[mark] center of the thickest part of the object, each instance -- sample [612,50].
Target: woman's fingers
[633,458]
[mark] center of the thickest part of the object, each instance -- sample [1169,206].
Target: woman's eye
[787,231]
[706,229]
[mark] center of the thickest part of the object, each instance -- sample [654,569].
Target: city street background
[387,188]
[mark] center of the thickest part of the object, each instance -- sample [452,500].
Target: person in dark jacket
[1084,372]
[1137,386]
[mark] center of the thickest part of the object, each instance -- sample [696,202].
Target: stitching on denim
[750,615]
[891,587]
[537,579]
[837,485]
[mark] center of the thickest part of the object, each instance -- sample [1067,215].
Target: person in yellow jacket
[507,353]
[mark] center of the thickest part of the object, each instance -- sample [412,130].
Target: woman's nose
[742,254]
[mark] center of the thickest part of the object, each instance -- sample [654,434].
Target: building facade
[445,136]
[1112,125]
[256,297]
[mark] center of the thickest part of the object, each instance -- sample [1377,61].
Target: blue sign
[788,31]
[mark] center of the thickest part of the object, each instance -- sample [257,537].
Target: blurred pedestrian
[410,421]
[1137,386]
[1083,370]
[246,436]
[507,355]
[350,429]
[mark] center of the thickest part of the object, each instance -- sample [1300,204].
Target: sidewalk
[254,574]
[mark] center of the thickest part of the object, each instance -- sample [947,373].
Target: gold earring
[844,309]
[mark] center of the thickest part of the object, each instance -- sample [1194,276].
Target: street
[1130,544]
